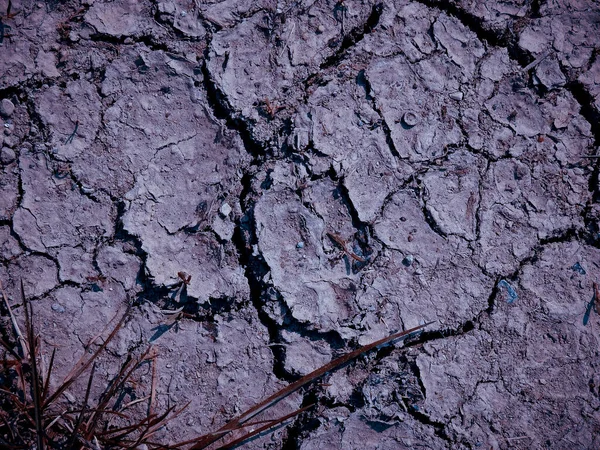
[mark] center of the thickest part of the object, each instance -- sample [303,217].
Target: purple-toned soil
[451,146]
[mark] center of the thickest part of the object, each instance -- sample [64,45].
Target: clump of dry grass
[33,417]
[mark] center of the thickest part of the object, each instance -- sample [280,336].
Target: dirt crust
[327,172]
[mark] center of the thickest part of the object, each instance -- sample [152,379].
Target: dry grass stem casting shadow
[26,418]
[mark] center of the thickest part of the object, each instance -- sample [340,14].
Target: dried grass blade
[134,402]
[36,389]
[84,365]
[201,439]
[124,374]
[97,336]
[15,398]
[8,363]
[9,349]
[282,393]
[146,423]
[82,361]
[7,425]
[157,426]
[116,384]
[48,375]
[15,324]
[85,403]
[6,445]
[126,428]
[100,411]
[21,376]
[153,385]
[270,424]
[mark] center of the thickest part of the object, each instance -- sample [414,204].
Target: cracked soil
[327,172]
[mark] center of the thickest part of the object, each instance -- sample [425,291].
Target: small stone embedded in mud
[300,244]
[6,107]
[58,308]
[408,260]
[458,96]
[225,209]
[410,119]
[7,155]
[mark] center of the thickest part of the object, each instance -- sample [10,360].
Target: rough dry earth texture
[449,144]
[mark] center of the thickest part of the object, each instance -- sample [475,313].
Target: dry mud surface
[445,144]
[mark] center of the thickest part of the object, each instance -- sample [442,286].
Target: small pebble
[321,29]
[6,107]
[408,260]
[225,209]
[458,96]
[57,308]
[410,119]
[300,244]
[7,155]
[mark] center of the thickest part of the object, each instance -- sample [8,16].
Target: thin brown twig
[269,424]
[204,441]
[342,243]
